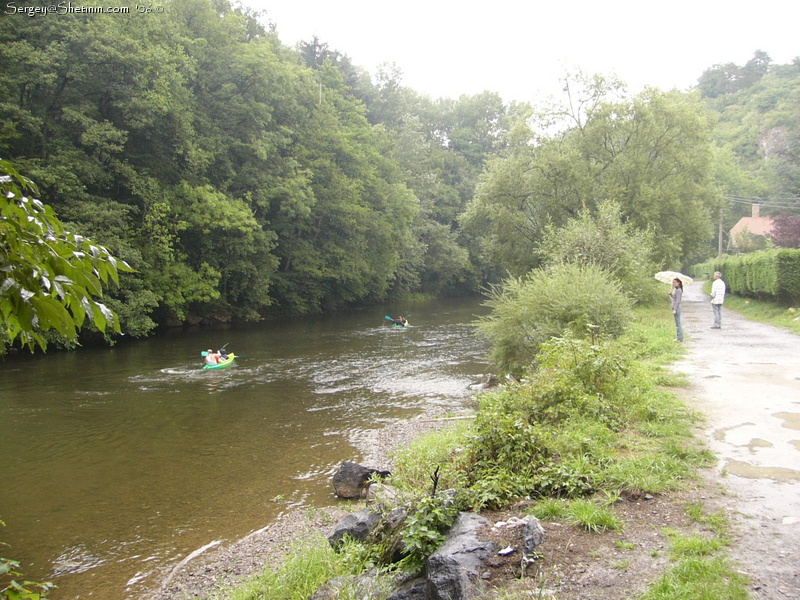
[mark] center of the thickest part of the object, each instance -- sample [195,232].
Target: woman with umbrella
[677,295]
[677,280]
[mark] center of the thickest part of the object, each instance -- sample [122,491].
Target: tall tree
[650,154]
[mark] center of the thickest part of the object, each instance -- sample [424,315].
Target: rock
[388,537]
[532,536]
[352,480]
[357,525]
[487,382]
[454,569]
[416,589]
[382,494]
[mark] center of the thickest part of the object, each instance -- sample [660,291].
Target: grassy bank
[595,427]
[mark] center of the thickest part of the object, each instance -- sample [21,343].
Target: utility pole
[719,248]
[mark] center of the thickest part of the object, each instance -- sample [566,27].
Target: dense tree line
[241,178]
[236,175]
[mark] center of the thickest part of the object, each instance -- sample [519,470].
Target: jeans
[717,308]
[678,324]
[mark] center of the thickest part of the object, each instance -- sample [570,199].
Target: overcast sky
[522,49]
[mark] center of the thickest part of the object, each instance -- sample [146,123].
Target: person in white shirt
[717,298]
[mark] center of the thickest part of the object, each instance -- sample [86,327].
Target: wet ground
[745,377]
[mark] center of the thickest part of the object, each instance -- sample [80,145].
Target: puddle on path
[759,443]
[748,471]
[719,434]
[790,420]
[795,443]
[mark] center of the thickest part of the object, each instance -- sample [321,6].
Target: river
[119,462]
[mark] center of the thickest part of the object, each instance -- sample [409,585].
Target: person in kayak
[400,321]
[212,357]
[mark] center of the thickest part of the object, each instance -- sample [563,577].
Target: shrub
[581,299]
[604,240]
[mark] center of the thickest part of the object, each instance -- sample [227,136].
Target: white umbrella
[668,276]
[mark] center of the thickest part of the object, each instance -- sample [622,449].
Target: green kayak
[222,364]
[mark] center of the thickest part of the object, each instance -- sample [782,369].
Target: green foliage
[425,526]
[604,240]
[52,279]
[700,578]
[311,563]
[526,312]
[591,516]
[651,154]
[443,449]
[589,415]
[240,177]
[717,522]
[683,546]
[549,509]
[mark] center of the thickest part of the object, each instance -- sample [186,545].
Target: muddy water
[120,462]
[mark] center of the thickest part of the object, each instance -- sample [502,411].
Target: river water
[118,463]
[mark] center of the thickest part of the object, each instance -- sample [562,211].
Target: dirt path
[746,378]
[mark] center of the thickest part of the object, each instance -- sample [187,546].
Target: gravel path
[745,378]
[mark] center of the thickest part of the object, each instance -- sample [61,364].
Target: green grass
[591,516]
[765,312]
[716,522]
[311,563]
[700,578]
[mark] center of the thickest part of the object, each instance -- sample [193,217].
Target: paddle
[205,352]
[391,319]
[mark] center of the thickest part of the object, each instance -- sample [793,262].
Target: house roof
[755,225]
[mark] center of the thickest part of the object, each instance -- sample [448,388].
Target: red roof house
[756,225]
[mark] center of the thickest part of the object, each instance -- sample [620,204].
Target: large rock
[356,525]
[352,480]
[417,589]
[454,569]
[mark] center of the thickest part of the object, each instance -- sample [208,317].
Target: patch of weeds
[549,509]
[624,545]
[700,578]
[621,565]
[591,516]
[716,521]
[415,462]
[309,564]
[682,546]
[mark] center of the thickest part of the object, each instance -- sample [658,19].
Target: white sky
[522,49]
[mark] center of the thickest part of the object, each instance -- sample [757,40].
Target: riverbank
[753,511]
[201,575]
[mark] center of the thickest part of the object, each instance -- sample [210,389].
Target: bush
[604,240]
[581,299]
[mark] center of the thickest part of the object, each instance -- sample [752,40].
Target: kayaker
[223,355]
[212,357]
[400,321]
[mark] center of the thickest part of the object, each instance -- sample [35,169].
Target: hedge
[769,274]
